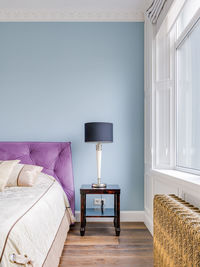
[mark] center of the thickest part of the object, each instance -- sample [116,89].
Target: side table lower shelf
[92,212]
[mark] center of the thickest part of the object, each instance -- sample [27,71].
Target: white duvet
[29,220]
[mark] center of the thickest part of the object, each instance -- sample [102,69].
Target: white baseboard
[125,216]
[148,221]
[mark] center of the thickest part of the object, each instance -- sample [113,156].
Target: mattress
[29,220]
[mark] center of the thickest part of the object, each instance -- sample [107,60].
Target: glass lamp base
[99,185]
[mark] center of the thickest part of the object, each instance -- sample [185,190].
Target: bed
[34,221]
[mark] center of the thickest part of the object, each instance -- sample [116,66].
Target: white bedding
[29,220]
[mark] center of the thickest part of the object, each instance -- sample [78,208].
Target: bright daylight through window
[188,100]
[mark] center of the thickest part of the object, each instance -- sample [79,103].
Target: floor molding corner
[148,221]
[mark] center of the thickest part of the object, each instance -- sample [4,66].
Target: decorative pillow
[12,181]
[6,168]
[28,175]
[24,175]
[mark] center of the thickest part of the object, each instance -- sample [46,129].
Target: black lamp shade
[98,132]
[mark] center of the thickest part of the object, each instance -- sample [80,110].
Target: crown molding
[48,15]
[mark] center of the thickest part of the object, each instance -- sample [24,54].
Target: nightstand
[89,212]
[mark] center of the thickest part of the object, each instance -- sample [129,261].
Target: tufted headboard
[54,157]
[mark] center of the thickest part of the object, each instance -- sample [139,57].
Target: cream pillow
[28,175]
[6,168]
[24,175]
[12,181]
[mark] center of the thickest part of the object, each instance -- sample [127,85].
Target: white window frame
[159,85]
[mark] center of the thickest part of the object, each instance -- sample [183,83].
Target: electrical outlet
[97,201]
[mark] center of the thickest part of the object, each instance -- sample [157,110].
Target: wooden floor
[100,246]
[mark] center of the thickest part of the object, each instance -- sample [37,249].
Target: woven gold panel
[176,232]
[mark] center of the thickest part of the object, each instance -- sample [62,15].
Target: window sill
[179,176]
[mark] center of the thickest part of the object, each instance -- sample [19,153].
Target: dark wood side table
[89,212]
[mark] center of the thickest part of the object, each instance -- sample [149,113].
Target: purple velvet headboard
[54,157]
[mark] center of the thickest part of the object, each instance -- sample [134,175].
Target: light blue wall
[54,77]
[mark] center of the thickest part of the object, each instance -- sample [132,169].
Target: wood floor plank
[100,246]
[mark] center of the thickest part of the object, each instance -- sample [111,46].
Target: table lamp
[99,132]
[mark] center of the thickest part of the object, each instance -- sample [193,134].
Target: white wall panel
[148,193]
[160,186]
[162,118]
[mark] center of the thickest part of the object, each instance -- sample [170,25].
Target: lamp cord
[102,205]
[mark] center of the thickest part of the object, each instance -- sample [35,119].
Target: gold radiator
[176,232]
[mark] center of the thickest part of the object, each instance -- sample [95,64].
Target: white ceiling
[76,4]
[72,10]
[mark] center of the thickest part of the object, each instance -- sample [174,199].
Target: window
[176,100]
[188,101]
